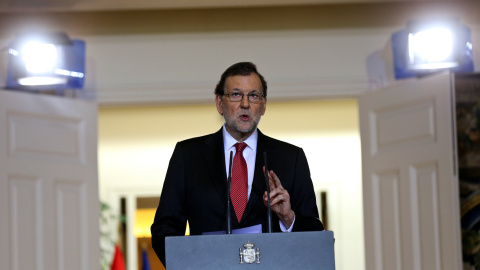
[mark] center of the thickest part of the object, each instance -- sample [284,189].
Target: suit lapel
[258,184]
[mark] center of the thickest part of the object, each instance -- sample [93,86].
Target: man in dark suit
[195,187]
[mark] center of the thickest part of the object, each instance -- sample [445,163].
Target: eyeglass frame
[248,97]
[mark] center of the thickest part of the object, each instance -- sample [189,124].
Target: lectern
[295,250]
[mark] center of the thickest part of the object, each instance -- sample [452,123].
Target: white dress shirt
[249,153]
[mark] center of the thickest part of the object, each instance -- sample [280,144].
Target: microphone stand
[269,211]
[229,183]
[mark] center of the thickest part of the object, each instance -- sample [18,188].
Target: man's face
[241,117]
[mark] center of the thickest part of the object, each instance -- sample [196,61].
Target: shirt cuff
[283,228]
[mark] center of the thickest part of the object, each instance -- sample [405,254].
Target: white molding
[202,92]
[325,88]
[106,5]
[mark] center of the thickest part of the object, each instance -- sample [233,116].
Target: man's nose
[245,103]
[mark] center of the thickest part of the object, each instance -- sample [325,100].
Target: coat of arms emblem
[248,254]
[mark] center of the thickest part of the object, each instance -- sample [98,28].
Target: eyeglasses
[252,97]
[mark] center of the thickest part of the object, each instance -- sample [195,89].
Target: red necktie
[239,189]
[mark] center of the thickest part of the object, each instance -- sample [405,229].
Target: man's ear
[219,103]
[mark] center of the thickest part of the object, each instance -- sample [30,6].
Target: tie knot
[240,147]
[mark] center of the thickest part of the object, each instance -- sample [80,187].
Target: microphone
[269,211]
[229,183]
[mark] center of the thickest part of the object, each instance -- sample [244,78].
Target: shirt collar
[229,141]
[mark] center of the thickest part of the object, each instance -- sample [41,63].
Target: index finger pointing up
[271,181]
[274,180]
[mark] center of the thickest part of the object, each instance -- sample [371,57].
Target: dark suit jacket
[195,189]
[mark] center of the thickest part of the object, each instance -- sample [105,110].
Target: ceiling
[110,5]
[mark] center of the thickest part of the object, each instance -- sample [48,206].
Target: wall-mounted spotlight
[45,61]
[424,47]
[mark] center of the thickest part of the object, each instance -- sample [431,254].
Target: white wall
[182,67]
